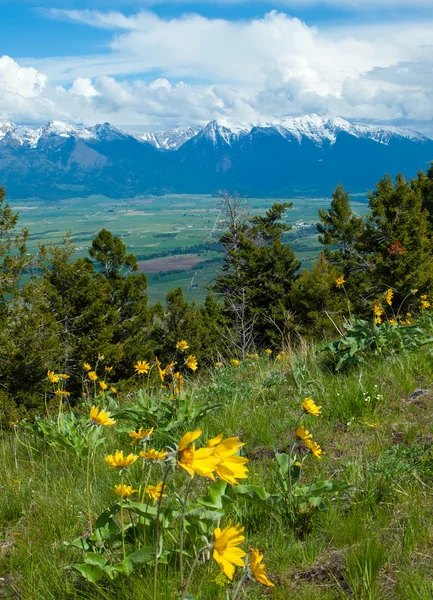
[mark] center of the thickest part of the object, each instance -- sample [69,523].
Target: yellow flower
[142,367]
[424,297]
[108,369]
[230,466]
[303,434]
[113,390]
[311,408]
[155,491]
[13,423]
[268,351]
[378,320]
[118,461]
[100,417]
[140,434]
[340,281]
[124,491]
[153,455]
[225,551]
[103,386]
[178,381]
[425,304]
[202,461]
[414,291]
[235,362]
[378,310]
[258,569]
[62,393]
[392,322]
[251,356]
[53,377]
[279,357]
[182,345]
[87,367]
[388,296]
[218,364]
[191,362]
[92,375]
[101,357]
[63,376]
[314,448]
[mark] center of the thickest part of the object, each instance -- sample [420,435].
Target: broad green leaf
[91,558]
[215,495]
[92,573]
[139,557]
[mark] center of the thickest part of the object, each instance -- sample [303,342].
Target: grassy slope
[374,543]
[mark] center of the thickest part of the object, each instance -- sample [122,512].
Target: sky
[147,65]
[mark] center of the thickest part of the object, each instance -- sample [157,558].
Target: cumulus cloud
[159,73]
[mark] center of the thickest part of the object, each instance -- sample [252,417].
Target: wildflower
[425,304]
[87,367]
[202,461]
[62,393]
[63,376]
[251,356]
[314,448]
[53,377]
[230,466]
[388,296]
[340,281]
[279,357]
[103,386]
[100,417]
[140,434]
[101,357]
[92,375]
[303,434]
[113,390]
[218,364]
[225,551]
[310,407]
[258,569]
[118,461]
[378,320]
[235,362]
[124,491]
[153,455]
[393,322]
[108,369]
[182,345]
[378,310]
[424,297]
[191,362]
[178,379]
[268,351]
[13,423]
[155,491]
[414,291]
[161,372]
[142,367]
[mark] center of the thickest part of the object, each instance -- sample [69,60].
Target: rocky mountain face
[305,155]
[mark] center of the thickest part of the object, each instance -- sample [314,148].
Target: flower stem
[89,515]
[184,591]
[182,531]
[158,513]
[290,457]
[238,587]
[121,515]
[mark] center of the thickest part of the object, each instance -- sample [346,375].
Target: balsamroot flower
[178,379]
[268,351]
[153,454]
[340,281]
[378,310]
[311,408]
[201,462]
[119,461]
[108,369]
[258,569]
[225,551]
[388,296]
[100,417]
[230,466]
[155,491]
[182,345]
[191,363]
[303,434]
[142,367]
[113,390]
[393,322]
[314,448]
[140,434]
[92,375]
[62,393]
[53,377]
[87,367]
[103,386]
[218,364]
[235,362]
[101,357]
[124,491]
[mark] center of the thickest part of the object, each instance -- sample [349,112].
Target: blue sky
[150,64]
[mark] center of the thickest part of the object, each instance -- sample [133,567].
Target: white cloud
[163,72]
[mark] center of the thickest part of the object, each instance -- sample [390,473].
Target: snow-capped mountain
[309,154]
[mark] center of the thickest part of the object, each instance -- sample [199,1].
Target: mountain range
[302,155]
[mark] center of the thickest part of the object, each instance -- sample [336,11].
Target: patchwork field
[171,235]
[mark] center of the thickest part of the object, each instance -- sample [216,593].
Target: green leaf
[253,493]
[139,557]
[81,543]
[215,495]
[92,573]
[203,515]
[91,558]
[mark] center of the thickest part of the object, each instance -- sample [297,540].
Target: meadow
[159,230]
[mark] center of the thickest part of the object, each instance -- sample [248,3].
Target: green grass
[373,543]
[159,224]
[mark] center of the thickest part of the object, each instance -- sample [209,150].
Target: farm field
[159,230]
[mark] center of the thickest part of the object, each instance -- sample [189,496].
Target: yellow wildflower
[142,367]
[378,320]
[279,357]
[87,367]
[191,362]
[103,386]
[424,297]
[63,376]
[100,417]
[225,551]
[314,448]
[230,467]
[53,377]
[108,369]
[235,362]
[92,375]
[119,461]
[218,364]
[414,291]
[161,372]
[140,434]
[182,345]
[388,296]
[62,393]
[178,379]
[258,569]
[378,310]
[124,491]
[303,434]
[340,281]
[310,407]
[425,304]
[393,322]
[155,491]
[101,357]
[202,461]
[13,423]
[153,455]
[268,351]
[113,390]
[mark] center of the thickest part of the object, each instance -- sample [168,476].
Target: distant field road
[180,262]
